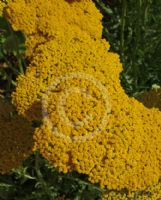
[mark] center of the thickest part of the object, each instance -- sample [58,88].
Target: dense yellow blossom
[125,151]
[151,193]
[3,4]
[112,195]
[53,19]
[16,136]
[126,154]
[56,58]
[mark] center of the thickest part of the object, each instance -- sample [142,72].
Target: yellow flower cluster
[16,136]
[112,195]
[44,20]
[89,124]
[115,157]
[56,58]
[151,193]
[2,5]
[126,154]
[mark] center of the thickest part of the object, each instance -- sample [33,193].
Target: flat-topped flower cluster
[64,39]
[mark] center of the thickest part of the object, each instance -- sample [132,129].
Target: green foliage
[36,179]
[12,61]
[134,31]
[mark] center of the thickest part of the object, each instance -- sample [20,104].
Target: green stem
[20,65]
[83,183]
[40,176]
[104,7]
[123,22]
[137,42]
[18,55]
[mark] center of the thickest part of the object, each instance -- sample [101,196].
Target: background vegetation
[134,31]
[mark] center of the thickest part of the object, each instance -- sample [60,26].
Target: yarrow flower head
[44,20]
[125,151]
[113,157]
[151,193]
[3,4]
